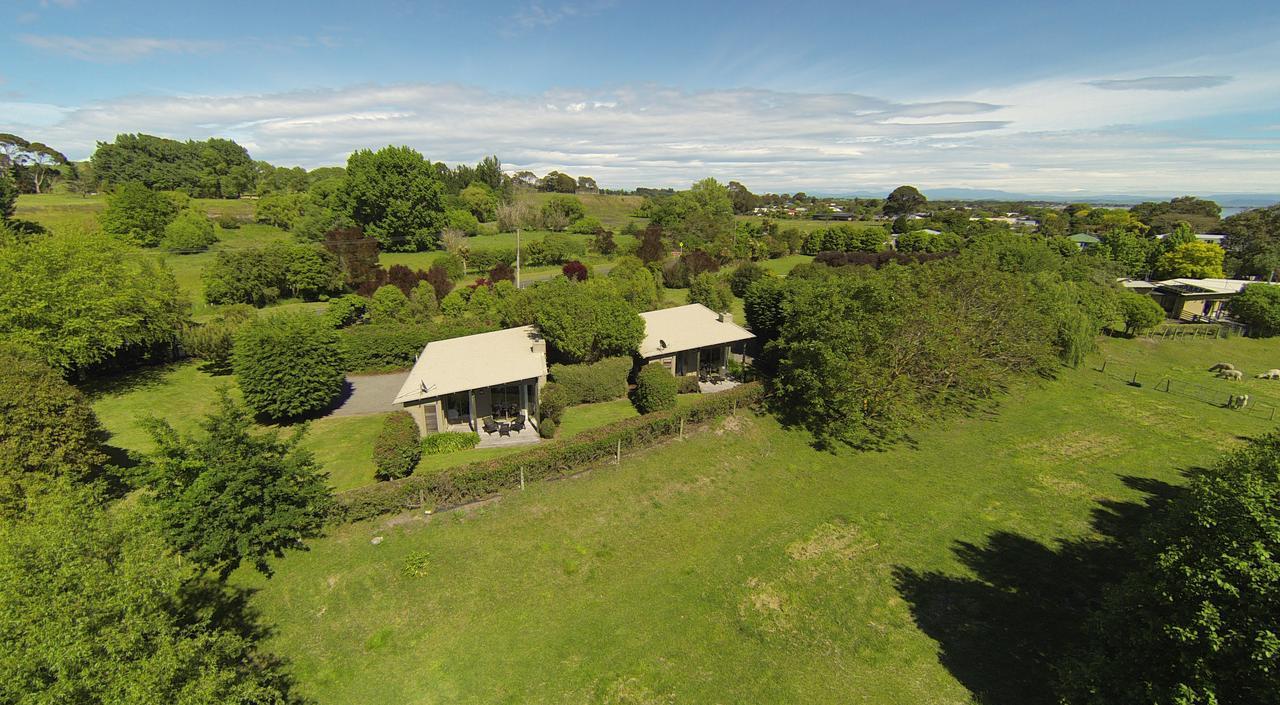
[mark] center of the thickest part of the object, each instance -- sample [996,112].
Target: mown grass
[741,565]
[806,224]
[613,211]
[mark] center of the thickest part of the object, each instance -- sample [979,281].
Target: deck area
[516,438]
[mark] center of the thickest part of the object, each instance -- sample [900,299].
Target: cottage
[1197,299]
[1084,240]
[688,339]
[459,384]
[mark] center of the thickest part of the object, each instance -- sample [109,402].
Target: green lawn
[588,416]
[613,211]
[740,565]
[783,265]
[806,224]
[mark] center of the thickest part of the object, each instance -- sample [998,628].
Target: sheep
[1238,401]
[1233,375]
[1222,366]
[1270,374]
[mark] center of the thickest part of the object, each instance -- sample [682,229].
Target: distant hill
[1235,200]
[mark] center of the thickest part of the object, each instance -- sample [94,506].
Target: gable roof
[671,330]
[475,362]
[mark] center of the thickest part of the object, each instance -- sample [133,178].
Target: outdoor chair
[504,429]
[518,426]
[489,426]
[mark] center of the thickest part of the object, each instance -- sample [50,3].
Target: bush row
[593,381]
[550,459]
[385,347]
[448,442]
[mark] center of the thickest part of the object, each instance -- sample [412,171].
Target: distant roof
[1085,238]
[671,330]
[1207,286]
[1136,284]
[475,362]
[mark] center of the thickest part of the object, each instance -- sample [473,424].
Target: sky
[1130,97]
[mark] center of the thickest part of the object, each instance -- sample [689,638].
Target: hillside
[740,565]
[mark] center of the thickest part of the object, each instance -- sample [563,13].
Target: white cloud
[116,49]
[1159,83]
[536,15]
[1051,136]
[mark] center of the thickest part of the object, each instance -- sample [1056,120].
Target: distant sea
[1228,211]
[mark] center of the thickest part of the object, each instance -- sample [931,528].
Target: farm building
[689,339]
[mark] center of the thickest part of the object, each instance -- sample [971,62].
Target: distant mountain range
[1233,200]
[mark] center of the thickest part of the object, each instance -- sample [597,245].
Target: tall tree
[234,494]
[395,196]
[41,160]
[903,200]
[96,608]
[75,299]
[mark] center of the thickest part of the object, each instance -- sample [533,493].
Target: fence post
[1273,413]
[1104,365]
[522,477]
[681,428]
[1135,377]
[617,453]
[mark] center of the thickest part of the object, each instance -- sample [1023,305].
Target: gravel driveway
[370,394]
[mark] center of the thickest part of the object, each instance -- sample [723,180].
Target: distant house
[456,383]
[686,339]
[1197,299]
[1084,240]
[1215,238]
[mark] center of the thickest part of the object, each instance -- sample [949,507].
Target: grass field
[740,565]
[614,211]
[806,224]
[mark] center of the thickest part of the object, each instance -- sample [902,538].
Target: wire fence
[1216,396]
[1178,331]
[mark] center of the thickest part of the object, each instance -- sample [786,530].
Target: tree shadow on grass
[1004,632]
[343,395]
[217,606]
[135,380]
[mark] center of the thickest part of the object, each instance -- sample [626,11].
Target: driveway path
[370,394]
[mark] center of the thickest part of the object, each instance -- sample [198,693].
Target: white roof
[1136,284]
[670,330]
[475,362]
[1212,286]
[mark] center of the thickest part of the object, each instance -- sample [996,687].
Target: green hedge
[549,459]
[593,381]
[396,451]
[655,389]
[687,384]
[448,442]
[395,346]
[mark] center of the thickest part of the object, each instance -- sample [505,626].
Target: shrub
[502,272]
[547,428]
[191,231]
[288,364]
[261,275]
[226,221]
[710,291]
[397,449]
[137,215]
[552,401]
[1258,307]
[655,389]
[575,270]
[383,348]
[388,305]
[451,263]
[47,428]
[604,243]
[559,211]
[214,342]
[589,225]
[448,442]
[593,382]
[462,220]
[1140,313]
[346,310]
[545,461]
[744,276]
[688,384]
[439,279]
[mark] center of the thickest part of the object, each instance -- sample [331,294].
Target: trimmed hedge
[593,381]
[550,459]
[395,346]
[655,389]
[448,442]
[687,384]
[396,451]
[552,401]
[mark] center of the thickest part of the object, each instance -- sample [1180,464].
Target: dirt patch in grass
[1078,445]
[833,539]
[765,607]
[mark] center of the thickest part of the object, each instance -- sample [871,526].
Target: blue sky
[1137,97]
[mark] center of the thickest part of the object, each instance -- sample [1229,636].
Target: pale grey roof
[670,330]
[475,362]
[1210,286]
